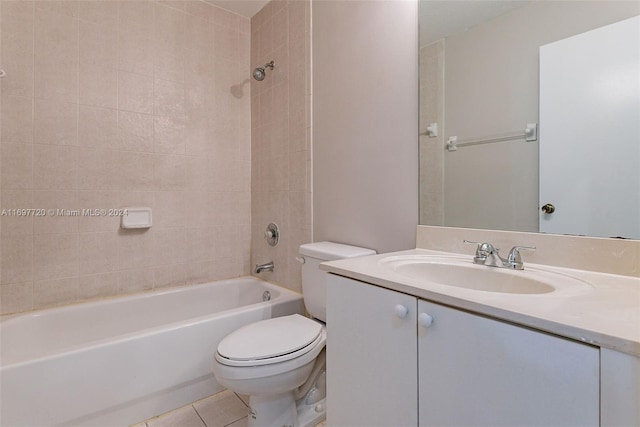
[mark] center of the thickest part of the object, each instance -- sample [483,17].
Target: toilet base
[311,415]
[277,410]
[280,410]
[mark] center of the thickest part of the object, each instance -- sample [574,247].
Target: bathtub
[119,361]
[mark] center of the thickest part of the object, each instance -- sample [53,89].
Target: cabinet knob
[425,320]
[401,311]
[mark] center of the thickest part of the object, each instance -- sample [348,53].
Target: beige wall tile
[55,122]
[95,169]
[169,246]
[17,119]
[55,256]
[124,90]
[135,280]
[133,171]
[135,131]
[55,167]
[19,78]
[56,53]
[16,297]
[136,54]
[17,166]
[169,67]
[200,9]
[98,44]
[169,209]
[169,275]
[135,18]
[17,33]
[63,219]
[56,80]
[64,7]
[135,250]
[169,30]
[98,86]
[176,4]
[168,98]
[170,172]
[199,31]
[12,224]
[202,244]
[98,252]
[97,285]
[199,209]
[280,181]
[16,259]
[135,92]
[47,293]
[100,200]
[226,19]
[97,127]
[99,12]
[168,134]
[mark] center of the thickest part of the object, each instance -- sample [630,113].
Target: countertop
[605,314]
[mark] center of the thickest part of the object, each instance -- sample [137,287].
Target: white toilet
[280,362]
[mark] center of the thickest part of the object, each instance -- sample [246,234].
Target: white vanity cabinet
[434,365]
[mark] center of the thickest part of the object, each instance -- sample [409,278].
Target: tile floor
[225,409]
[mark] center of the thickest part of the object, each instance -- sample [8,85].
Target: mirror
[479,78]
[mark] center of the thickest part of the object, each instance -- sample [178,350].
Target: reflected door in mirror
[590,133]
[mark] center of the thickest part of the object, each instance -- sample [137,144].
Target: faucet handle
[514,258]
[482,250]
[469,242]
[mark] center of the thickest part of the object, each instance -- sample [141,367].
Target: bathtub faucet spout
[264,267]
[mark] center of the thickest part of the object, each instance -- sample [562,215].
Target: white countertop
[606,314]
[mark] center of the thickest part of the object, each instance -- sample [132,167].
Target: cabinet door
[371,356]
[476,371]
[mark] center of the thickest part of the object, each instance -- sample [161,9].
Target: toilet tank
[314,285]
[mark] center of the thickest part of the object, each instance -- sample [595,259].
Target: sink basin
[465,274]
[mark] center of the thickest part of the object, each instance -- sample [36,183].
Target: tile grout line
[198,414]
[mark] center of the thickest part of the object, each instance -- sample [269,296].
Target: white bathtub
[119,361]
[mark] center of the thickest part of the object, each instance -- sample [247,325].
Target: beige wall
[365,121]
[109,104]
[491,88]
[281,139]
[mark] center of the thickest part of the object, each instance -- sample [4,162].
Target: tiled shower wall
[432,148]
[108,104]
[281,137]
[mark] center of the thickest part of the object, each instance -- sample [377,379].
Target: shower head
[259,73]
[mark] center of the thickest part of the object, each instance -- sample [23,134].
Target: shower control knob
[401,311]
[272,234]
[425,320]
[548,208]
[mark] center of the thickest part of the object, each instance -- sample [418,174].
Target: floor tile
[183,417]
[244,398]
[221,410]
[240,423]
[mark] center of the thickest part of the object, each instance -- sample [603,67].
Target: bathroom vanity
[425,338]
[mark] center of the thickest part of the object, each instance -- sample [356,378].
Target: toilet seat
[270,341]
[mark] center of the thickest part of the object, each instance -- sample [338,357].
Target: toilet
[280,362]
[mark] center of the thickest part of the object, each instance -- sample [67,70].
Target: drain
[266,296]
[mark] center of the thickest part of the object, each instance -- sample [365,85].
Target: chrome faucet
[264,267]
[487,254]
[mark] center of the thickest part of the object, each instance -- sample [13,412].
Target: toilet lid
[270,338]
